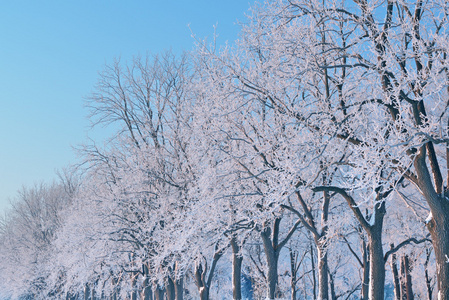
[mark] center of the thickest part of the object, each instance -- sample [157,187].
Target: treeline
[308,161]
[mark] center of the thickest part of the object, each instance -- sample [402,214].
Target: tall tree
[370,78]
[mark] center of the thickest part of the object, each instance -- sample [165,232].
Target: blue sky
[50,56]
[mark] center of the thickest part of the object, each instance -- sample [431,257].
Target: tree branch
[404,243]
[352,204]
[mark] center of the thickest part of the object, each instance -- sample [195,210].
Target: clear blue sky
[51,53]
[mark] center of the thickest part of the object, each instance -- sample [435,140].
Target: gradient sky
[50,56]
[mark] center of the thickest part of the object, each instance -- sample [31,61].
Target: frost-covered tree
[311,153]
[143,180]
[363,85]
[27,235]
[387,61]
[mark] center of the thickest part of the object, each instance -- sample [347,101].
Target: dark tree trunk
[426,272]
[377,264]
[86,292]
[365,282]
[405,270]
[394,269]
[93,297]
[237,260]
[170,288]
[332,285]
[134,292]
[312,259]
[147,293]
[272,276]
[438,225]
[179,288]
[272,261]
[439,230]
[403,284]
[293,272]
[202,280]
[159,293]
[114,289]
[204,294]
[272,248]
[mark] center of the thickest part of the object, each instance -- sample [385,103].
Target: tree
[366,77]
[27,236]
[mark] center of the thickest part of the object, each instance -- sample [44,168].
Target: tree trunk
[93,294]
[203,288]
[134,292]
[439,230]
[170,288]
[114,288]
[147,293]
[179,288]
[272,261]
[405,268]
[377,264]
[312,259]
[394,268]
[332,285]
[426,273]
[438,225]
[237,260]
[86,292]
[293,273]
[203,281]
[323,283]
[365,283]
[204,293]
[272,276]
[159,293]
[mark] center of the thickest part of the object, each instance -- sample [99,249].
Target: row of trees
[311,154]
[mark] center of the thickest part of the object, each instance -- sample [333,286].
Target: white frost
[429,218]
